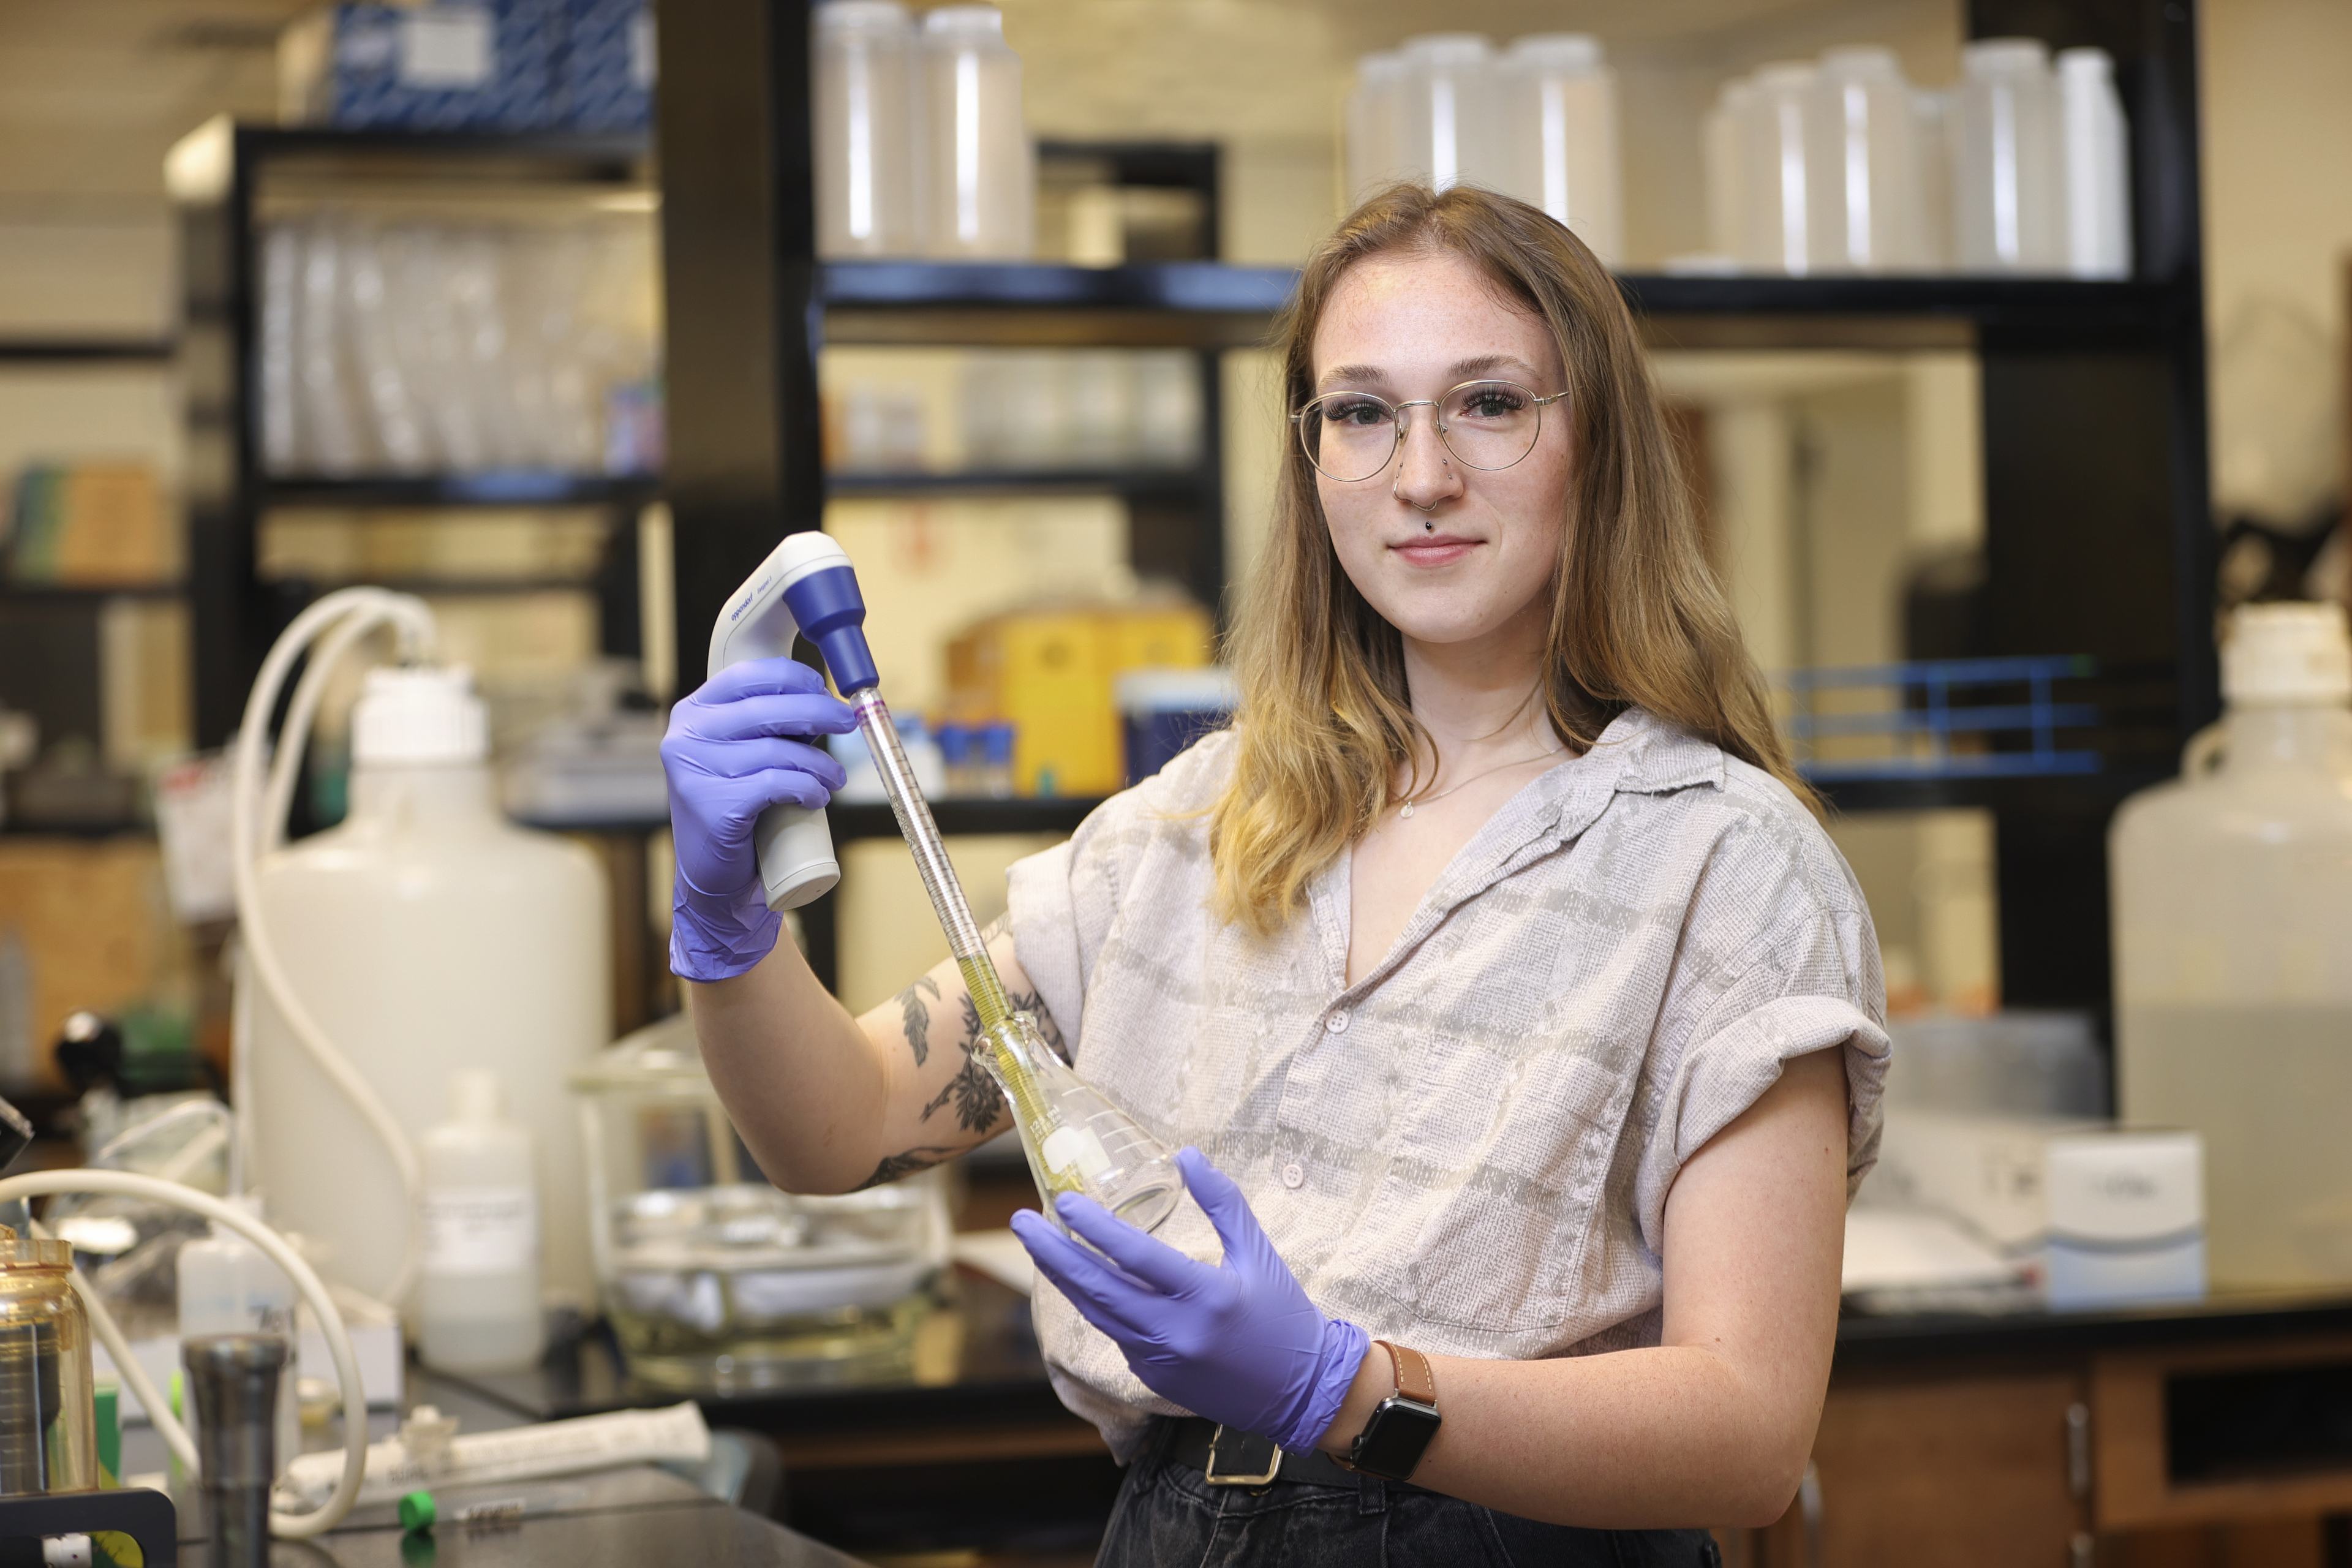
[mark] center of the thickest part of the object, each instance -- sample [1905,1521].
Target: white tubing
[313,1290]
[286,767]
[366,608]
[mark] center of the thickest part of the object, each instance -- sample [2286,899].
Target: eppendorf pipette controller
[1076,1140]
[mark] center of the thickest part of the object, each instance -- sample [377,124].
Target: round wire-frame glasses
[1349,436]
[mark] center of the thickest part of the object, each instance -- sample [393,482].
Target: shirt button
[1293,1174]
[1337,1022]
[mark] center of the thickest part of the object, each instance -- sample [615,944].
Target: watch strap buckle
[1242,1449]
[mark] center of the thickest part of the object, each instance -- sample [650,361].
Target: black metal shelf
[584,157]
[967,814]
[502,489]
[1852,797]
[1182,484]
[16,351]
[96,827]
[86,592]
[1210,302]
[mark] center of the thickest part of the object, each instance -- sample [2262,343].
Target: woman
[1517,1012]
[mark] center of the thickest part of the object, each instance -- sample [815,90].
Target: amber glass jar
[47,1436]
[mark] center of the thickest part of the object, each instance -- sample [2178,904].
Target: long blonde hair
[1637,613]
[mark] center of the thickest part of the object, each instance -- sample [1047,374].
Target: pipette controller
[1076,1140]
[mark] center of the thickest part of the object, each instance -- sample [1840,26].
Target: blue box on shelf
[461,65]
[609,66]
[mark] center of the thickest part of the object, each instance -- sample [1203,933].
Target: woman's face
[1445,552]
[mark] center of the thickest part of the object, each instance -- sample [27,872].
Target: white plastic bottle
[2007,191]
[1560,103]
[1776,211]
[227,1287]
[1863,179]
[1448,133]
[2233,918]
[1375,106]
[979,172]
[2097,165]
[865,124]
[477,1299]
[426,934]
[1723,148]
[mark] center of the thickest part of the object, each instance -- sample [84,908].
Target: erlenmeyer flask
[1077,1141]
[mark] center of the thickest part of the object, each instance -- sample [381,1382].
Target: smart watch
[1393,1440]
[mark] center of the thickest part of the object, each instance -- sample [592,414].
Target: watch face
[1395,1437]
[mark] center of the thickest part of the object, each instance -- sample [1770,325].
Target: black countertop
[978,1360]
[614,1519]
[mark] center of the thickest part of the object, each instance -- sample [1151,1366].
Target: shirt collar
[1637,753]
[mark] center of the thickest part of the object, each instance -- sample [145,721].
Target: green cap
[416,1511]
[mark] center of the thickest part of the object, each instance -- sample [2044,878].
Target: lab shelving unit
[60,619]
[220,177]
[2098,545]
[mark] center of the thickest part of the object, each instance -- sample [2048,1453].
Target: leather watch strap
[1415,1379]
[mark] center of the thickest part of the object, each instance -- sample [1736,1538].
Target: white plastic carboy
[427,934]
[2232,920]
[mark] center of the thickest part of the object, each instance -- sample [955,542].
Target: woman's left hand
[1239,1344]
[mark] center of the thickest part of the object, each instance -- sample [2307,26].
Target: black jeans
[1168,1516]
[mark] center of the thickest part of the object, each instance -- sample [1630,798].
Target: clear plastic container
[2232,913]
[1864,178]
[1375,152]
[712,1279]
[980,175]
[866,123]
[1448,131]
[49,1439]
[1560,103]
[2097,165]
[1776,207]
[2007,197]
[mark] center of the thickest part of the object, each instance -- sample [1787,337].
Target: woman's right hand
[735,747]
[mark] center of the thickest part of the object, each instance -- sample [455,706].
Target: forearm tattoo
[915,1016]
[972,1093]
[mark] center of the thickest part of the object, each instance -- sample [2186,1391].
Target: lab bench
[615,1519]
[2134,1436]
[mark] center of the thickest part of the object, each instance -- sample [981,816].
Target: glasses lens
[1348,434]
[1491,424]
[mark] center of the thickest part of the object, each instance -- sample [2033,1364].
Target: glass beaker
[711,1278]
[49,1439]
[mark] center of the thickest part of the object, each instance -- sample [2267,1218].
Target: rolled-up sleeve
[1812,982]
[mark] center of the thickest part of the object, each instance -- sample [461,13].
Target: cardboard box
[1054,674]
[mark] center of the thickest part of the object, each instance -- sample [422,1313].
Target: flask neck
[439,792]
[2289,736]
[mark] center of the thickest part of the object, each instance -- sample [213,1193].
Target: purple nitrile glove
[735,747]
[1239,1344]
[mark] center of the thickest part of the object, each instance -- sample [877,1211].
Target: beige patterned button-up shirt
[1470,1148]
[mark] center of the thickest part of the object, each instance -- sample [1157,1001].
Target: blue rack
[1929,704]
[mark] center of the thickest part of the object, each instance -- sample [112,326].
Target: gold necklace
[1406,810]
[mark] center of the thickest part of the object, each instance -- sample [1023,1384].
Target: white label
[446,46]
[480,1230]
[192,806]
[1067,1146]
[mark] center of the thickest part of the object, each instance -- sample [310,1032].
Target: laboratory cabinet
[2208,1437]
